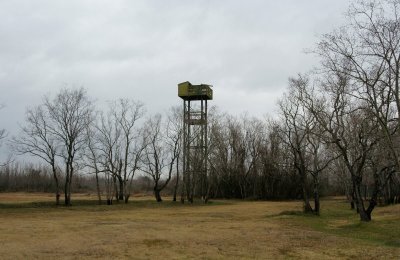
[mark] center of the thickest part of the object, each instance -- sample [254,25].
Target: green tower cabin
[188,91]
[195,140]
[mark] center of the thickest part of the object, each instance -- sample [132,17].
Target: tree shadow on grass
[44,204]
[93,205]
[292,213]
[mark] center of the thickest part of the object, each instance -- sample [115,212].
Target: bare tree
[160,154]
[69,113]
[37,140]
[297,122]
[305,137]
[347,126]
[226,154]
[92,156]
[109,157]
[174,131]
[235,151]
[367,52]
[126,113]
[255,141]
[119,145]
[218,152]
[276,176]
[56,131]
[320,157]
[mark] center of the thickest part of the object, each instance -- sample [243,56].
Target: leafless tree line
[38,177]
[337,130]
[71,136]
[349,106]
[289,157]
[247,158]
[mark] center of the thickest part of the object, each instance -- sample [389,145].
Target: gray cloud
[142,49]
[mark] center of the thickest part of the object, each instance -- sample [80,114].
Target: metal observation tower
[195,140]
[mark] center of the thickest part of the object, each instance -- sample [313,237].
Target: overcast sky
[247,49]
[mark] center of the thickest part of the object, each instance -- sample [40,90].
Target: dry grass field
[31,228]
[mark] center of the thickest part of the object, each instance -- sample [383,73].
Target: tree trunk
[177,179]
[388,193]
[364,215]
[70,189]
[183,188]
[242,187]
[207,196]
[189,188]
[98,188]
[109,189]
[69,182]
[306,207]
[157,195]
[115,191]
[127,192]
[126,199]
[67,196]
[175,188]
[121,189]
[374,197]
[316,196]
[66,199]
[353,199]
[352,206]
[57,185]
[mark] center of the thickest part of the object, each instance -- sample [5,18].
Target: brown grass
[145,230]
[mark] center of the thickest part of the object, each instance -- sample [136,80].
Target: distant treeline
[16,177]
[20,177]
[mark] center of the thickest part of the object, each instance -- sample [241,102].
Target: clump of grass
[292,213]
[156,242]
[337,219]
[22,205]
[92,204]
